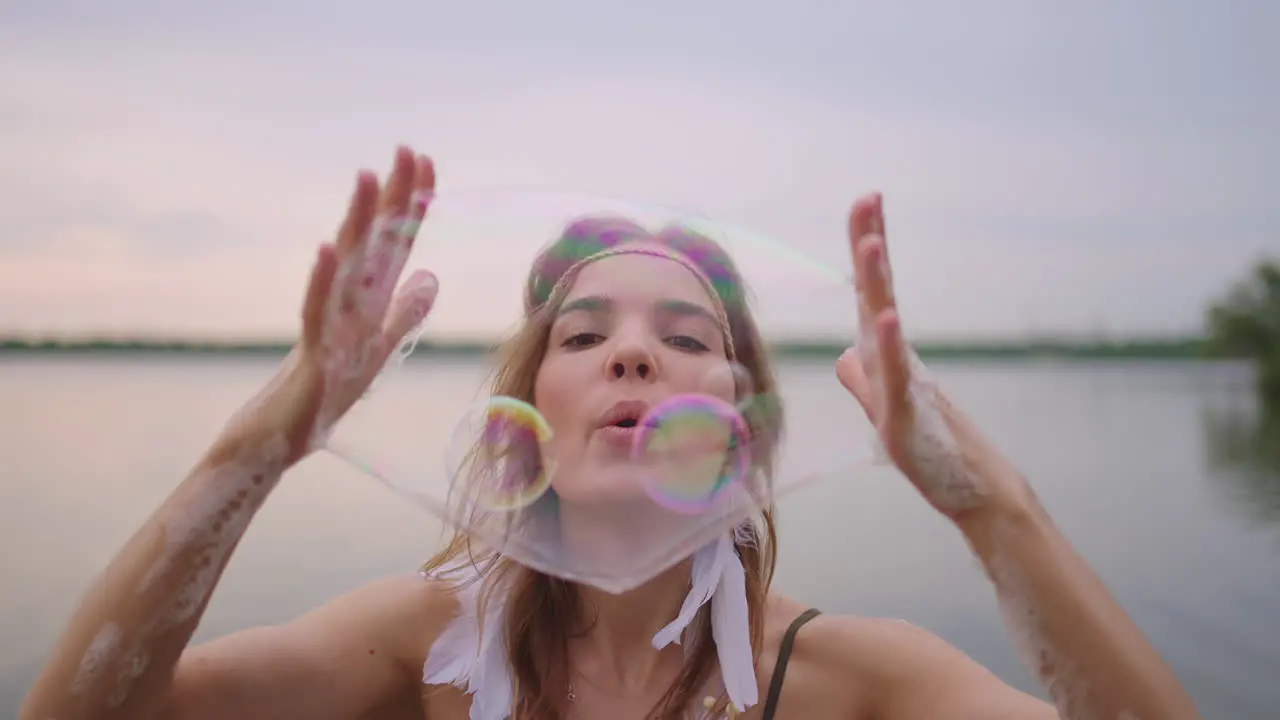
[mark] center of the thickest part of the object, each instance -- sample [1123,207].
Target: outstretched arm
[117,656]
[1077,640]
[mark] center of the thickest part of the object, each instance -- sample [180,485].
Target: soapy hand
[928,439]
[352,318]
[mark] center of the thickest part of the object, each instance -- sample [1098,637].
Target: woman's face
[633,330]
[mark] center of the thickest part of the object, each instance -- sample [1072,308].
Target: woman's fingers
[853,377]
[395,245]
[882,365]
[410,307]
[351,240]
[317,297]
[424,188]
[886,326]
[895,368]
[363,258]
[867,218]
[394,200]
[393,233]
[861,222]
[360,213]
[873,270]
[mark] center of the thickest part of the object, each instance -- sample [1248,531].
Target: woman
[569,650]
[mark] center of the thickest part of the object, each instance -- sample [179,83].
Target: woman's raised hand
[929,440]
[352,317]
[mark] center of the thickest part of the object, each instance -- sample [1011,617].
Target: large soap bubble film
[679,457]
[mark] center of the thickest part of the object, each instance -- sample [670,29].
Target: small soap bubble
[694,447]
[497,456]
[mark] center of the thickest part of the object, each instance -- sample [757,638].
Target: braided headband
[566,279]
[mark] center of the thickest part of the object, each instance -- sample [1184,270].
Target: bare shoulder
[399,616]
[360,652]
[817,680]
[886,668]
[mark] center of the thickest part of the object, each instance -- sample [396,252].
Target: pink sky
[171,175]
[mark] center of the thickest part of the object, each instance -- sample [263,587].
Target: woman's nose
[631,360]
[640,370]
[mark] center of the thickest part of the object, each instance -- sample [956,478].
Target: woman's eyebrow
[603,305]
[594,304]
[684,308]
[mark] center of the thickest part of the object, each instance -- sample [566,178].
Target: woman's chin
[621,488]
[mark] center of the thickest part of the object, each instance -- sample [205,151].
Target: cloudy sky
[1047,167]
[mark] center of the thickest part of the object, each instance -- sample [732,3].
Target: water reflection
[1243,448]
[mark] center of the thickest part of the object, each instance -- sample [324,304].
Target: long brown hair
[542,612]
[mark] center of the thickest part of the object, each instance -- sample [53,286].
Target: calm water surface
[1155,472]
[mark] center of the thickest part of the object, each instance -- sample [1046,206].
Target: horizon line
[1090,337]
[1060,347]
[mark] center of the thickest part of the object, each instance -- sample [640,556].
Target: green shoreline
[1152,349]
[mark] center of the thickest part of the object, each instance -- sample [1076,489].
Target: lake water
[1150,469]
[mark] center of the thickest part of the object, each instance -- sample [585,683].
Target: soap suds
[209,529]
[212,526]
[102,651]
[134,664]
[939,468]
[1067,686]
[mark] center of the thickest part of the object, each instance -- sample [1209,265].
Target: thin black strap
[784,655]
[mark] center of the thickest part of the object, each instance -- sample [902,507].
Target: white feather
[744,535]
[492,684]
[704,579]
[731,629]
[453,655]
[466,657]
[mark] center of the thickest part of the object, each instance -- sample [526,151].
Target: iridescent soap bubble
[485,418]
[697,446]
[501,444]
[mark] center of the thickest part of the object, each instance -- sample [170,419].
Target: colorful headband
[722,316]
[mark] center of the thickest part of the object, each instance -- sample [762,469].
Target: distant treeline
[1173,348]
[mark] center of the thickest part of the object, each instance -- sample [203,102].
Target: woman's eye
[581,340]
[684,342]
